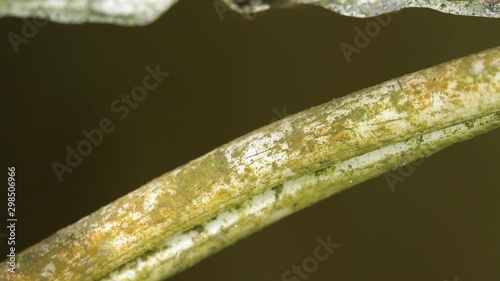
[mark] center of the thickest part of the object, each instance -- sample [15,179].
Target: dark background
[226,79]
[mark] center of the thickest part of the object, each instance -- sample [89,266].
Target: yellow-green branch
[195,210]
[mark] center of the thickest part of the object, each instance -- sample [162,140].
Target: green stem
[197,209]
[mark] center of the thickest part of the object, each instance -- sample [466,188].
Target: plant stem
[197,209]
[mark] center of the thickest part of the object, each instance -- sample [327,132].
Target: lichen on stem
[197,209]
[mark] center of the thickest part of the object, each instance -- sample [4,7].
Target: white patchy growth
[48,270]
[123,12]
[260,151]
[292,187]
[225,219]
[477,68]
[151,198]
[259,202]
[287,172]
[120,240]
[136,215]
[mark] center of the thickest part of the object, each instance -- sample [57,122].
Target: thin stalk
[197,209]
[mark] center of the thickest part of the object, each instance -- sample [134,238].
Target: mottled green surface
[326,135]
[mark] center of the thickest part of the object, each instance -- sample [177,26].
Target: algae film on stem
[259,178]
[191,212]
